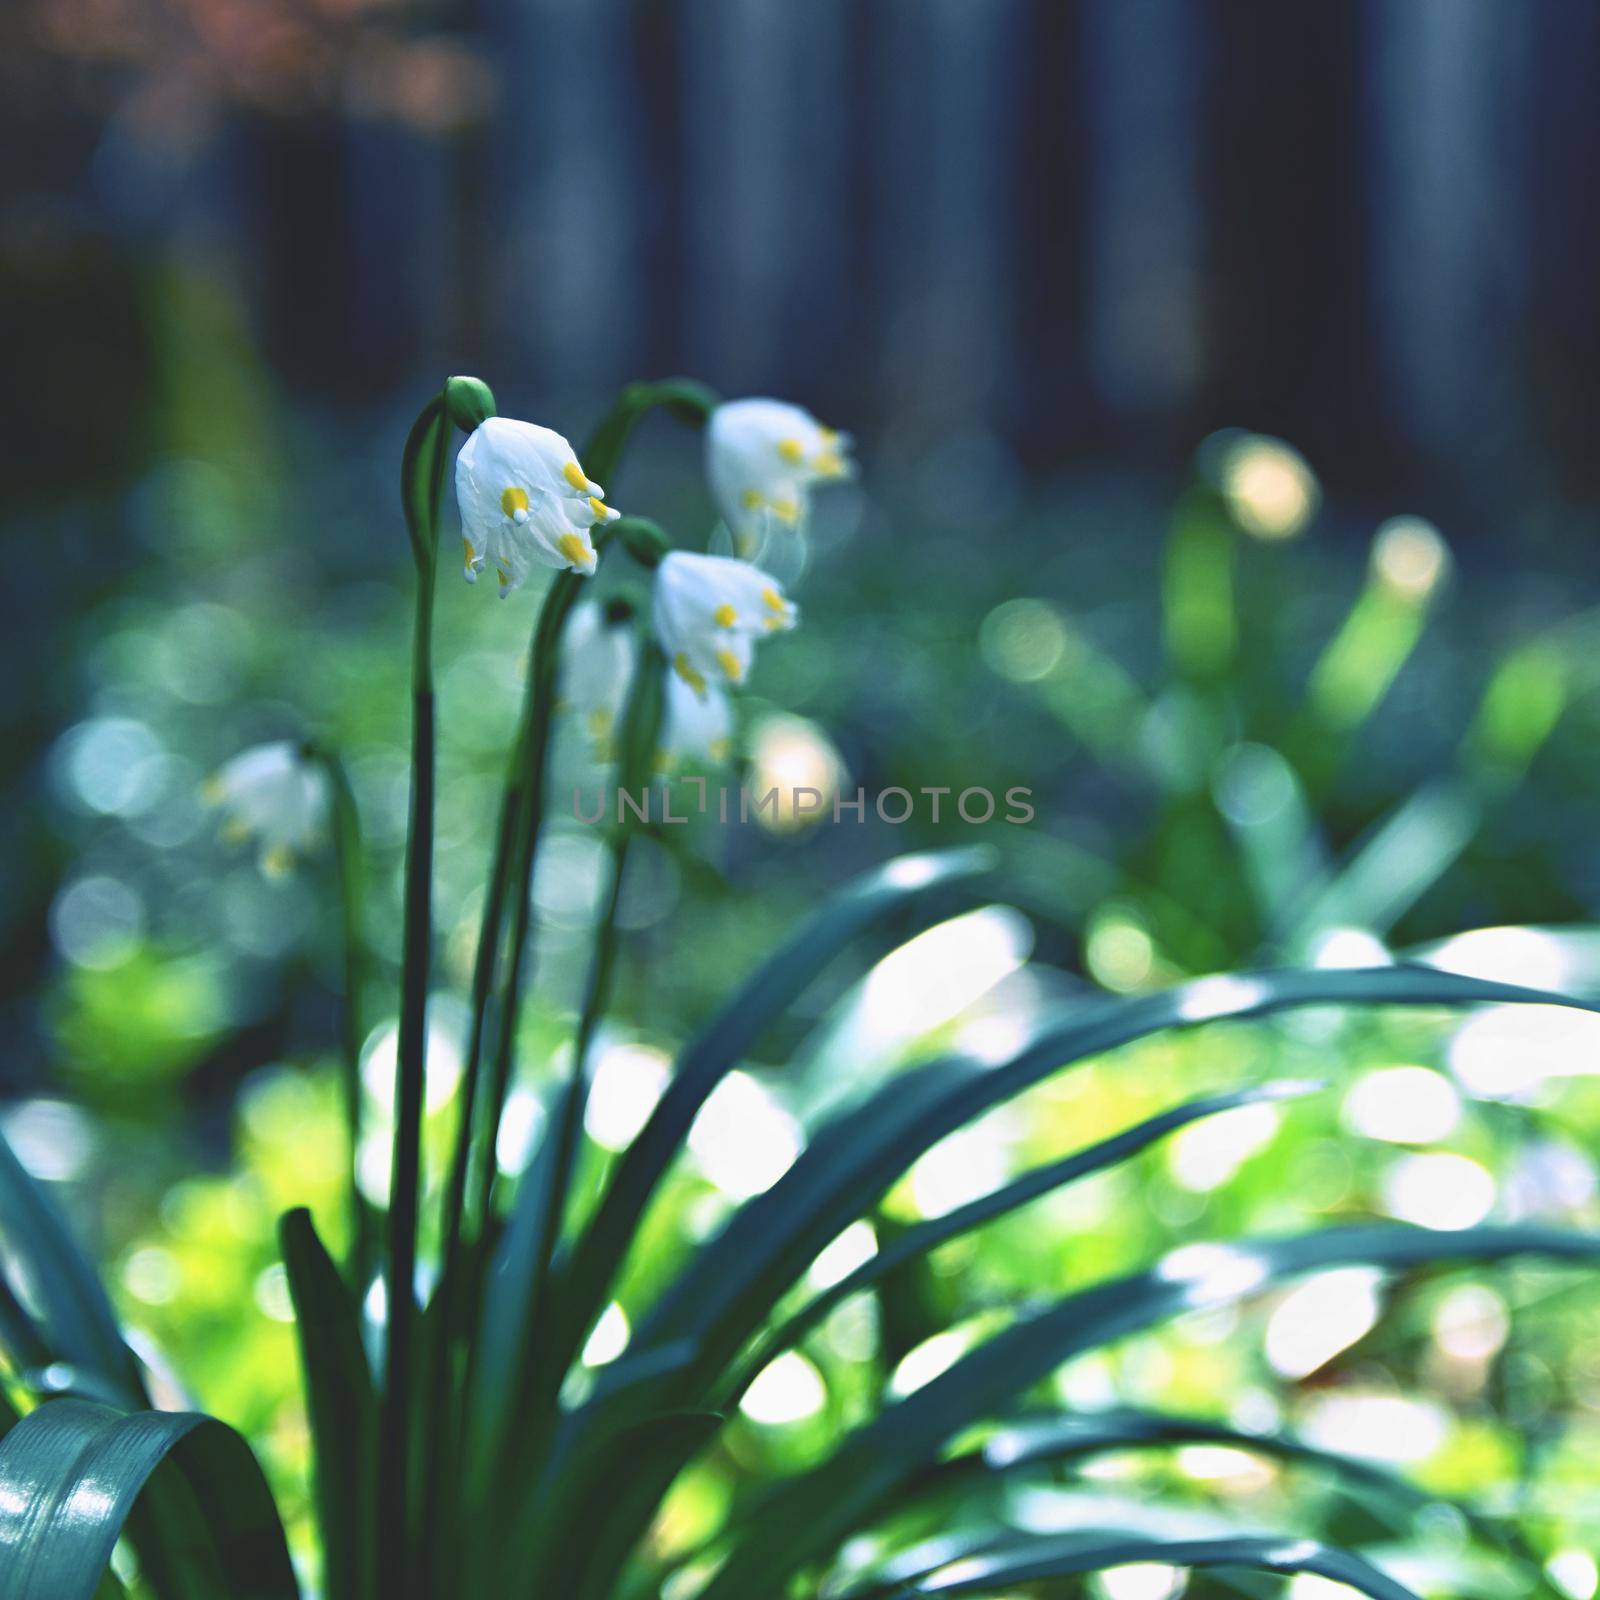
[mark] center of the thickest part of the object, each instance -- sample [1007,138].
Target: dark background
[1003,241]
[1099,230]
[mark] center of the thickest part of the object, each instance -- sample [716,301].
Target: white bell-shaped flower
[710,610]
[598,656]
[762,457]
[695,728]
[524,500]
[275,796]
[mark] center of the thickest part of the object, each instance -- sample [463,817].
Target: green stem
[470,1184]
[348,861]
[422,484]
[641,724]
[538,1387]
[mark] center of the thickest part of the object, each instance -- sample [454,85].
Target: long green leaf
[925,1236]
[723,1296]
[770,990]
[1065,1438]
[807,1521]
[1037,1560]
[70,1473]
[342,1406]
[75,1317]
[718,1303]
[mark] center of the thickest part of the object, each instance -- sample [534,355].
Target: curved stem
[470,1185]
[422,484]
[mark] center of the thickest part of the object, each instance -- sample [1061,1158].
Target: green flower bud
[645,541]
[470,401]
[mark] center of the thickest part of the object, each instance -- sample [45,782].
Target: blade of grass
[923,1237]
[75,1318]
[724,1295]
[807,1521]
[1036,1561]
[342,1407]
[765,995]
[727,1290]
[70,1474]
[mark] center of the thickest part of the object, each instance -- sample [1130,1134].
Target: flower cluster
[708,612]
[525,501]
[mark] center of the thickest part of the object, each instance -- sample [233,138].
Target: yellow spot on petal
[213,791]
[234,831]
[774,601]
[505,577]
[719,750]
[468,554]
[751,500]
[601,510]
[685,670]
[731,665]
[600,722]
[513,500]
[277,861]
[792,451]
[786,510]
[725,616]
[573,473]
[829,436]
[576,551]
[830,464]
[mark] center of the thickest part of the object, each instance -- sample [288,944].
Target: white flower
[597,666]
[709,611]
[762,456]
[694,727]
[274,795]
[524,499]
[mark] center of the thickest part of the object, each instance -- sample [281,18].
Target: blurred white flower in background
[710,610]
[762,458]
[524,500]
[598,654]
[695,728]
[273,795]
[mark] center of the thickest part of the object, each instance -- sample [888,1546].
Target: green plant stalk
[517,845]
[1352,676]
[422,483]
[640,730]
[1199,616]
[472,1168]
[348,857]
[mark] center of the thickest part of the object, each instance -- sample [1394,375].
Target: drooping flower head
[598,655]
[274,795]
[762,457]
[709,612]
[525,499]
[695,727]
